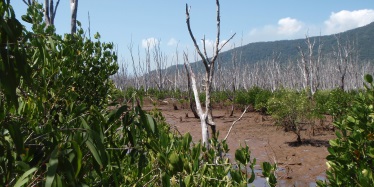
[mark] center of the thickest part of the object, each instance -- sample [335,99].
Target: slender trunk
[190,94]
[203,116]
[74,10]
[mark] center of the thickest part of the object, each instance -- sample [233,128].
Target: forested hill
[287,49]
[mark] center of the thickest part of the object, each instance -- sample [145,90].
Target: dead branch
[233,123]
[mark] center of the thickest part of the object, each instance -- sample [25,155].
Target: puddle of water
[261,181]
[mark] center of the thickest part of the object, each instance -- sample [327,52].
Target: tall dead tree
[344,53]
[50,11]
[190,92]
[74,11]
[309,65]
[206,117]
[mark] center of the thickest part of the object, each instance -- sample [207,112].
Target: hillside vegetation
[287,49]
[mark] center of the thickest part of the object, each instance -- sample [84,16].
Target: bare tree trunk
[206,117]
[74,10]
[202,115]
[190,92]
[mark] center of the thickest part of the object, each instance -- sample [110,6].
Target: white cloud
[150,42]
[172,42]
[345,20]
[288,26]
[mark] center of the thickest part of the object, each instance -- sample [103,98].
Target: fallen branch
[233,123]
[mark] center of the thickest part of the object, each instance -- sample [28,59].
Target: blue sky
[163,21]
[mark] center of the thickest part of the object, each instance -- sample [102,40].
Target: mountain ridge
[287,49]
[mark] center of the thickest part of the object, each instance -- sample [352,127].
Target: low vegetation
[60,124]
[64,123]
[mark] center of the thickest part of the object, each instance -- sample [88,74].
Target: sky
[163,22]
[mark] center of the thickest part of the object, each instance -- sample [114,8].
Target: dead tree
[74,10]
[205,116]
[344,53]
[190,92]
[308,64]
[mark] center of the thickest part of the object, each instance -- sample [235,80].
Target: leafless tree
[308,64]
[205,116]
[161,66]
[190,92]
[344,53]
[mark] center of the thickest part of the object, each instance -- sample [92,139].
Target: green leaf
[151,123]
[333,143]
[78,157]
[17,137]
[266,168]
[165,180]
[188,180]
[236,176]
[240,156]
[24,178]
[253,176]
[187,139]
[337,133]
[52,167]
[371,152]
[27,18]
[368,78]
[95,152]
[116,114]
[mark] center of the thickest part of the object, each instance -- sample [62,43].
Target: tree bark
[209,70]
[190,93]
[74,11]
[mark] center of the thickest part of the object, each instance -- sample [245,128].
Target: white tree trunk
[74,10]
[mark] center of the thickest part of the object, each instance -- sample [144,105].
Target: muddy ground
[298,165]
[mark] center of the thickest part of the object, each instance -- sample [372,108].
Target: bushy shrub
[241,98]
[202,97]
[261,100]
[255,96]
[321,98]
[351,154]
[291,110]
[61,132]
[338,102]
[221,96]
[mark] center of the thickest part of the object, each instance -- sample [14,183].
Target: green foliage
[202,97]
[350,162]
[338,103]
[261,100]
[13,56]
[62,132]
[163,94]
[255,96]
[221,96]
[322,102]
[291,110]
[269,173]
[58,128]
